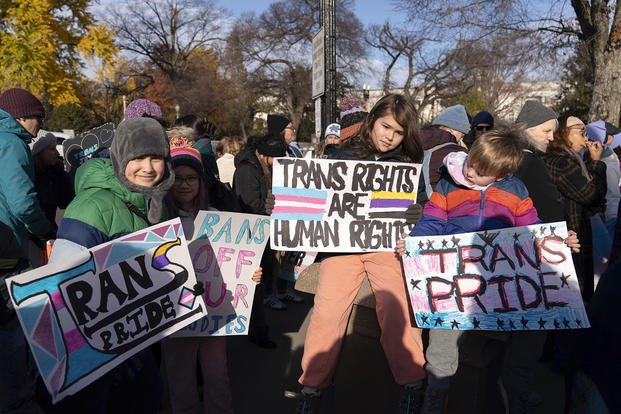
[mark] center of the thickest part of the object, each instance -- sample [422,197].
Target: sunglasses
[483,127]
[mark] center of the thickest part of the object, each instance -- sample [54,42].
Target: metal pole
[328,100]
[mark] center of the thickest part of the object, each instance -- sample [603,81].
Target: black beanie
[534,113]
[276,124]
[135,138]
[21,104]
[271,146]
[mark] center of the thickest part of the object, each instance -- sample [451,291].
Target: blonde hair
[233,145]
[498,152]
[183,132]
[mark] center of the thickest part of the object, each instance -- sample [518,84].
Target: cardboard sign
[340,206]
[87,314]
[81,148]
[520,278]
[226,249]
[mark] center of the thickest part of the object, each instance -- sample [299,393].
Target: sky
[368,11]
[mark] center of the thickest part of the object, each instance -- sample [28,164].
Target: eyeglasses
[483,127]
[189,179]
[582,130]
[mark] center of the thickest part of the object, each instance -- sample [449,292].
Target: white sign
[226,249]
[318,65]
[340,206]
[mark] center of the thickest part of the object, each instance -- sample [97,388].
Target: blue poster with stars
[520,278]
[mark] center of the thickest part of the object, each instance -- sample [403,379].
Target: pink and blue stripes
[299,204]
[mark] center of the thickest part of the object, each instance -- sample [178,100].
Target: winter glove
[270,201]
[413,214]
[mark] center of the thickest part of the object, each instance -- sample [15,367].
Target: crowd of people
[540,167]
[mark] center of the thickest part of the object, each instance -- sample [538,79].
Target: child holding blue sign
[185,199]
[389,134]
[477,192]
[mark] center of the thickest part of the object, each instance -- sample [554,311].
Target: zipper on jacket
[481,203]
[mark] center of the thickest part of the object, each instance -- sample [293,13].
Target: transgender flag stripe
[300,199]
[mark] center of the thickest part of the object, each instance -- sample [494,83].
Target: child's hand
[257,275]
[401,244]
[572,241]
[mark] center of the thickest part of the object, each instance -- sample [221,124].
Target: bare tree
[167,32]
[595,23]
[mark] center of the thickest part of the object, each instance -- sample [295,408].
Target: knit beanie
[352,116]
[534,113]
[143,108]
[182,153]
[454,117]
[271,146]
[332,129]
[42,143]
[135,138]
[599,130]
[483,117]
[276,124]
[20,103]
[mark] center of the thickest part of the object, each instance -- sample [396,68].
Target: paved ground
[363,383]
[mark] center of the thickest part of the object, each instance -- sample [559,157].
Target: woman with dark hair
[582,184]
[388,134]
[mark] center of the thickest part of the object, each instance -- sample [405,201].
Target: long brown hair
[561,141]
[402,109]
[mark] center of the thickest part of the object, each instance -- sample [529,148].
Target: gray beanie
[534,113]
[135,138]
[454,117]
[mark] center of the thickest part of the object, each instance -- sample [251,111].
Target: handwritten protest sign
[520,278]
[226,249]
[340,206]
[86,314]
[79,149]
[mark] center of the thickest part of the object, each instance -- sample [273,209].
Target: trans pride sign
[340,206]
[87,314]
[520,278]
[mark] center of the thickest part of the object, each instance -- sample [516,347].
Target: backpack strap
[426,161]
[131,207]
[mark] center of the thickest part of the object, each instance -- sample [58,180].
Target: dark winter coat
[541,188]
[249,182]
[54,189]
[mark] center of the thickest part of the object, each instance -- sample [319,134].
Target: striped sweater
[454,209]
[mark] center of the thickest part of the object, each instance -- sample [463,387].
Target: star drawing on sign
[566,323]
[500,323]
[455,241]
[421,245]
[542,230]
[407,253]
[533,233]
[516,236]
[476,323]
[542,323]
[511,324]
[415,283]
[578,323]
[455,324]
[444,243]
[488,237]
[564,279]
[439,321]
[429,244]
[524,322]
[556,324]
[552,228]
[424,319]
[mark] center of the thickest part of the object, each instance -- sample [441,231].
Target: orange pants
[340,278]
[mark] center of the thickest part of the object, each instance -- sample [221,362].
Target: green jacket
[99,212]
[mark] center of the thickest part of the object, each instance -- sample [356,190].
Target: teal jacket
[20,212]
[99,212]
